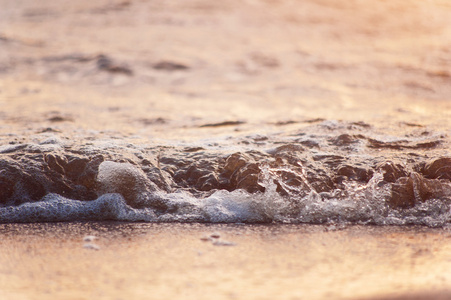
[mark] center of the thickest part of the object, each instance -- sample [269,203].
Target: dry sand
[172,261]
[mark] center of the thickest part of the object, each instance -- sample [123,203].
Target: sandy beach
[161,70]
[346,104]
[174,261]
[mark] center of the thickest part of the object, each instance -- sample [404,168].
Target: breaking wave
[357,203]
[333,178]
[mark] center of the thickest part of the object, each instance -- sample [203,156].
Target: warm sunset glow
[237,149]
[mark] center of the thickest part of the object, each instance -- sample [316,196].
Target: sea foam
[359,203]
[329,172]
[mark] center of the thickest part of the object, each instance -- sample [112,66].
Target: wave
[357,204]
[331,178]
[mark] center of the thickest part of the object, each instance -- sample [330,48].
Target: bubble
[123,183]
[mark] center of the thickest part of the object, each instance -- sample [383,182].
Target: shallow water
[325,172]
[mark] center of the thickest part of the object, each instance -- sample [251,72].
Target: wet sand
[163,70]
[173,261]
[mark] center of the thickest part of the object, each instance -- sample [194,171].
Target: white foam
[361,203]
[89,238]
[91,246]
[125,179]
[56,208]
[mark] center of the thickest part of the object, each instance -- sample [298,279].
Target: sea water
[330,173]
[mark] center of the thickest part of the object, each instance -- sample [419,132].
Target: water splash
[357,204]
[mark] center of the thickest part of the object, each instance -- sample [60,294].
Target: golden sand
[262,62]
[177,261]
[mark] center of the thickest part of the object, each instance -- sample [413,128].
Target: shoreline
[198,96]
[176,261]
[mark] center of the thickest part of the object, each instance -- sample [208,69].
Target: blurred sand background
[161,70]
[171,261]
[164,68]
